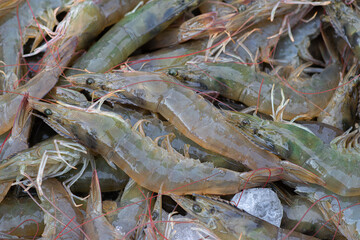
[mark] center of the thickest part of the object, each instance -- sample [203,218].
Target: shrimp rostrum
[139,157]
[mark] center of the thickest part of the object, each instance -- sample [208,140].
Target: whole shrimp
[335,163]
[139,157]
[228,222]
[191,114]
[11,39]
[243,83]
[130,33]
[37,87]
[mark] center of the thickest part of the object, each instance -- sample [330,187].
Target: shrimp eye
[197,208]
[90,81]
[212,210]
[245,122]
[48,112]
[155,215]
[256,131]
[173,72]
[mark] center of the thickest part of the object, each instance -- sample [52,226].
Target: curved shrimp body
[336,167]
[346,23]
[37,87]
[243,83]
[188,112]
[139,157]
[10,37]
[130,33]
[228,222]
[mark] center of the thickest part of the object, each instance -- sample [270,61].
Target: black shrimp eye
[90,81]
[256,131]
[197,208]
[48,112]
[212,210]
[245,122]
[155,215]
[173,72]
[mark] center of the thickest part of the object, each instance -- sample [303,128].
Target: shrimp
[87,19]
[242,83]
[150,166]
[165,58]
[335,163]
[192,115]
[96,225]
[10,37]
[37,87]
[20,132]
[59,155]
[341,110]
[228,222]
[346,23]
[130,33]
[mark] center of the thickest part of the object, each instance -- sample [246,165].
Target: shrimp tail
[301,174]
[262,175]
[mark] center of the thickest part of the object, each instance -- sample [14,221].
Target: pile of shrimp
[130,119]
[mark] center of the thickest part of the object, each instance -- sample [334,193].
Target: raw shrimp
[242,83]
[166,57]
[139,157]
[192,115]
[86,20]
[228,222]
[130,33]
[50,158]
[10,37]
[335,163]
[37,87]
[341,110]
